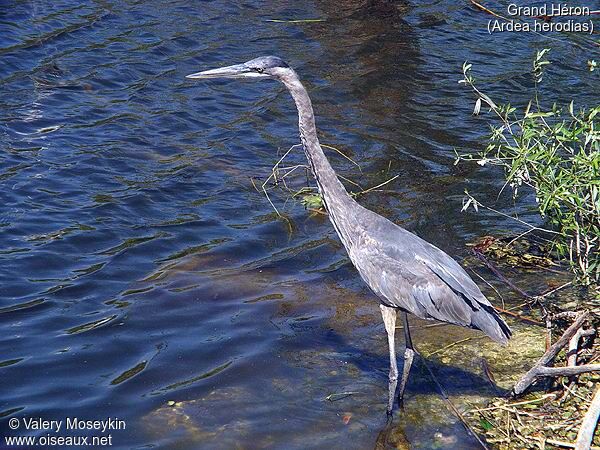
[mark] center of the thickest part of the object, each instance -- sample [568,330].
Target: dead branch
[566,444]
[565,315]
[541,369]
[574,345]
[588,426]
[567,371]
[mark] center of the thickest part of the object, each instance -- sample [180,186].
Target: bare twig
[340,395]
[565,315]
[342,154]
[487,371]
[567,444]
[378,186]
[451,405]
[541,369]
[552,291]
[590,421]
[574,345]
[273,175]
[490,285]
[567,371]
[295,21]
[496,272]
[508,216]
[440,350]
[317,211]
[489,11]
[519,316]
[350,181]
[527,402]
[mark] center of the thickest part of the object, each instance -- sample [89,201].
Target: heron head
[261,67]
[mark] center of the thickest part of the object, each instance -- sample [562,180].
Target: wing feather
[412,287]
[409,273]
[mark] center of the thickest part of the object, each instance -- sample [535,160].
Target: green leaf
[486,424]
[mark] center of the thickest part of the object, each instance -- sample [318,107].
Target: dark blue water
[142,276]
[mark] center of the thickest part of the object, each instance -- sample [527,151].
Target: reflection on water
[144,277]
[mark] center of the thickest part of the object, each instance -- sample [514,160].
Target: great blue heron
[407,273]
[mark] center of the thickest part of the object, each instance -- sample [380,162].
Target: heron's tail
[488,321]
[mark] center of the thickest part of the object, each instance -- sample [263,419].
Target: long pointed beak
[235,71]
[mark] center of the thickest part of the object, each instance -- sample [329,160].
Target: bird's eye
[259,69]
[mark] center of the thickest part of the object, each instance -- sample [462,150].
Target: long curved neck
[332,190]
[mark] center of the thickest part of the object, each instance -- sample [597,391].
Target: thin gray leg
[389,320]
[409,355]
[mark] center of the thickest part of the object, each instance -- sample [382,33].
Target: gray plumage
[406,272]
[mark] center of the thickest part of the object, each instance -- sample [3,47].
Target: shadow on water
[337,349]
